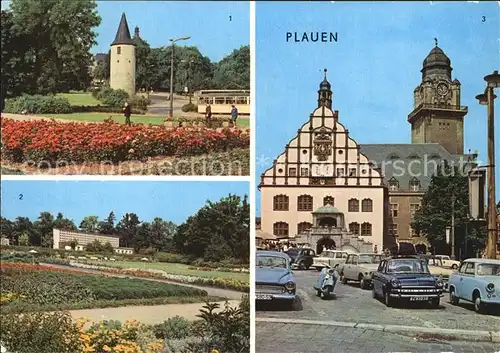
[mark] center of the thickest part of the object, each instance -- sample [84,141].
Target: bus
[221,101]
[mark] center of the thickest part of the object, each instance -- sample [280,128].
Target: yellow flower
[106,348]
[214,351]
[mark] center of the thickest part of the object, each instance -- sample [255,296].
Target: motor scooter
[326,282]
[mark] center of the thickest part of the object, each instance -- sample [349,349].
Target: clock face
[442,89]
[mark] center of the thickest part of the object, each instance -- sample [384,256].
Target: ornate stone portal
[329,231]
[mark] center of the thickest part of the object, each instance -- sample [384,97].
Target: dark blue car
[406,279]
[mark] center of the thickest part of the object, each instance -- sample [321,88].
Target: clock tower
[437,116]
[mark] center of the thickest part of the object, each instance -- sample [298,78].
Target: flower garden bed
[29,287]
[224,283]
[54,142]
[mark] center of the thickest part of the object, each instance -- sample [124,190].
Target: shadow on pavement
[283,305]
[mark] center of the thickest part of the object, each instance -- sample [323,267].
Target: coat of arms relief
[323,144]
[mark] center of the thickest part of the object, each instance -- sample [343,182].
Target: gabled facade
[323,165]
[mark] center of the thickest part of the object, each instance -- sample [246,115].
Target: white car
[359,267]
[437,268]
[329,258]
[447,262]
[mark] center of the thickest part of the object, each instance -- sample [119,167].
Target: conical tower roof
[123,33]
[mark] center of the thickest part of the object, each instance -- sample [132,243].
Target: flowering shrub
[225,283]
[55,142]
[37,104]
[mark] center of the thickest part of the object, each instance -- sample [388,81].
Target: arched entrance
[327,222]
[328,243]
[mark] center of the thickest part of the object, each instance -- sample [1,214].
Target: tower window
[118,50]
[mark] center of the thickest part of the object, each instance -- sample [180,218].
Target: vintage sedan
[330,258]
[437,268]
[406,279]
[274,279]
[359,267]
[477,281]
[448,262]
[301,257]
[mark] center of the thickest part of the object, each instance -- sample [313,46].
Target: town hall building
[325,187]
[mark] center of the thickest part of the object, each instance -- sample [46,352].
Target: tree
[161,234]
[7,229]
[24,239]
[107,248]
[73,244]
[89,224]
[64,223]
[127,229]
[217,231]
[107,226]
[233,72]
[59,35]
[95,246]
[434,215]
[16,69]
[22,225]
[43,230]
[99,71]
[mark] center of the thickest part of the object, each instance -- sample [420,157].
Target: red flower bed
[55,142]
[22,266]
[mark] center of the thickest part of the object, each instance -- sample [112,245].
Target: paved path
[355,322]
[146,314]
[212,291]
[294,338]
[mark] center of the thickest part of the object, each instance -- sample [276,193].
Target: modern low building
[62,238]
[124,251]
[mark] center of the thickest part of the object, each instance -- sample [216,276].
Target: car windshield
[369,259]
[407,266]
[292,251]
[271,261]
[488,270]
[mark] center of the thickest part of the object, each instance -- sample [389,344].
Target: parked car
[437,268]
[330,258]
[447,262]
[359,267]
[406,279]
[301,257]
[273,277]
[477,281]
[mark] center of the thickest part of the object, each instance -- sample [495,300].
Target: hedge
[37,104]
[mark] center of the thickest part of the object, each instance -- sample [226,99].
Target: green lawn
[80,98]
[175,269]
[144,119]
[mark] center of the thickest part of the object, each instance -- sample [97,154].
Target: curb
[446,334]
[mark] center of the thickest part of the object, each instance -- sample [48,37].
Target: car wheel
[362,282]
[435,302]
[344,280]
[374,293]
[478,304]
[301,265]
[454,267]
[307,267]
[388,300]
[454,300]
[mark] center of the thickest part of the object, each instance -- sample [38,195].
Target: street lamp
[448,229]
[171,112]
[188,77]
[488,98]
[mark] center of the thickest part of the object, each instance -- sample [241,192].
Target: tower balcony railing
[443,107]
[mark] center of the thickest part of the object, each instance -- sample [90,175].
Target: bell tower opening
[437,116]
[329,222]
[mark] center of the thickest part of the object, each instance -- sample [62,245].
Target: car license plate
[418,299]
[263,297]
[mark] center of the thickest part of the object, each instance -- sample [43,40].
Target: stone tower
[122,60]
[437,116]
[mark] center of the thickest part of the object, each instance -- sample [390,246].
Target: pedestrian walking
[127,112]
[208,113]
[234,114]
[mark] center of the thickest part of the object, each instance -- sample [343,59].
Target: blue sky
[216,28]
[373,68]
[173,200]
